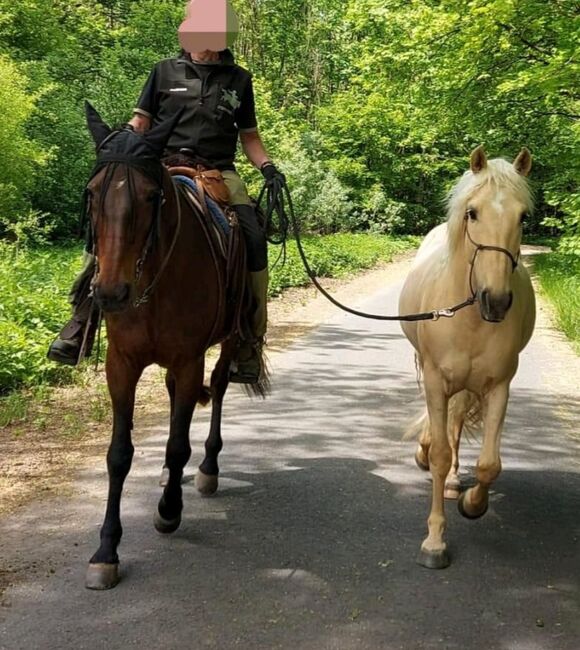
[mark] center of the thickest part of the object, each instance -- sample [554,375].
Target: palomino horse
[468,361]
[162,288]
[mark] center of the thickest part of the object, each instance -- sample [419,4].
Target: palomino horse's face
[124,200]
[494,215]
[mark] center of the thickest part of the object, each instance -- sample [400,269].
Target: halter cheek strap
[480,247]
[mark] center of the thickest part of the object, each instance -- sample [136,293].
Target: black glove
[272,174]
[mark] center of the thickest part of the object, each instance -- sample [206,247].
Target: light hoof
[420,459]
[467,511]
[102,576]
[434,559]
[166,526]
[451,493]
[164,478]
[206,484]
[452,490]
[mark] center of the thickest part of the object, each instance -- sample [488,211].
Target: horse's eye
[471,214]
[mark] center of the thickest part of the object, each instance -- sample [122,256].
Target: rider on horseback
[217,101]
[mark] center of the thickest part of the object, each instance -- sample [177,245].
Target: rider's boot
[67,347]
[248,366]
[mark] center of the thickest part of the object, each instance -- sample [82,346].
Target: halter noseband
[481,247]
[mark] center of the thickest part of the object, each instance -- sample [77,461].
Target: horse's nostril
[485,299]
[122,292]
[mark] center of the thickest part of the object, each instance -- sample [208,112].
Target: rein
[277,195]
[146,295]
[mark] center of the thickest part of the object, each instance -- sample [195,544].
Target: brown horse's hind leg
[206,480]
[186,392]
[103,571]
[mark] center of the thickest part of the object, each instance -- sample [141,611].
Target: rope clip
[443,313]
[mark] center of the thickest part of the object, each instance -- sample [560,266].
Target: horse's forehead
[499,199]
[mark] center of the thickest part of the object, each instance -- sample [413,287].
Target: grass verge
[559,277]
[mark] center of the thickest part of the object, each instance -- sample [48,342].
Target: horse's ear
[523,163]
[159,135]
[478,160]
[99,130]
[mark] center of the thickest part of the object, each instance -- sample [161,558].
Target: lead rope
[277,194]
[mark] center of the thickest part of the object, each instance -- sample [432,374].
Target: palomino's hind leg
[188,389]
[455,426]
[474,502]
[433,553]
[103,571]
[458,407]
[206,479]
[422,453]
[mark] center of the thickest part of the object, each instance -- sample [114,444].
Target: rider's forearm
[254,149]
[140,123]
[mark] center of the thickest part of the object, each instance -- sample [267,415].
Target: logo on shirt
[231,97]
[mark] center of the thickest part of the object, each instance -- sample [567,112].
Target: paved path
[311,542]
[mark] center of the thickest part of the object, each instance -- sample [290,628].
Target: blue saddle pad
[214,209]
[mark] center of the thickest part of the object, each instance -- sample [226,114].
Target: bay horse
[468,361]
[161,287]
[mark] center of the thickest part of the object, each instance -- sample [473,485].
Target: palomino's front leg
[103,571]
[433,553]
[473,503]
[188,385]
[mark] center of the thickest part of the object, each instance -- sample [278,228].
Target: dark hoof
[102,576]
[420,464]
[434,559]
[206,484]
[166,526]
[465,513]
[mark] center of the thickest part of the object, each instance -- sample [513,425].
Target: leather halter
[481,247]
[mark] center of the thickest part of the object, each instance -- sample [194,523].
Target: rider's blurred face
[209,26]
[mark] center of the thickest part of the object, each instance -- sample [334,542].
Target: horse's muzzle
[113,299]
[495,307]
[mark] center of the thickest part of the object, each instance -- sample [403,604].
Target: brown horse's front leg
[103,571]
[188,382]
[433,553]
[206,479]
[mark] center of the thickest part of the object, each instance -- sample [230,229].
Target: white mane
[500,173]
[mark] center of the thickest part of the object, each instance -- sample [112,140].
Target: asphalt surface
[311,542]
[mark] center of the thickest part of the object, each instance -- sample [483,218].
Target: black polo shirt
[218,99]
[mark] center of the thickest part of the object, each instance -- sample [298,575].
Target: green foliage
[333,256]
[33,307]
[559,276]
[34,285]
[21,158]
[370,106]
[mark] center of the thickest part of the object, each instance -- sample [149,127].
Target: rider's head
[210,26]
